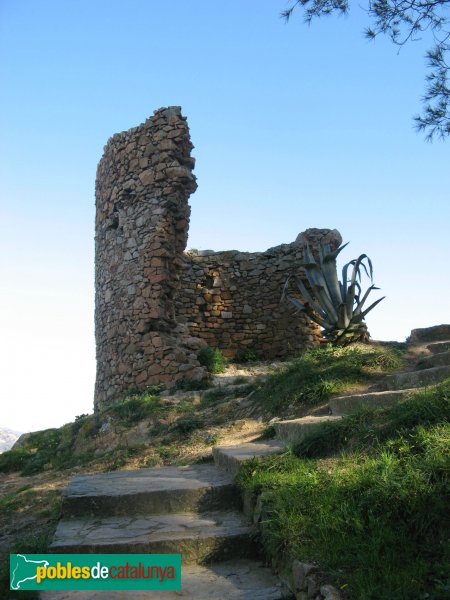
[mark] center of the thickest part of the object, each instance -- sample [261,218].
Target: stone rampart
[156,305]
[232,299]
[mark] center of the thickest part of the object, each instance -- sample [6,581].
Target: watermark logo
[95,571]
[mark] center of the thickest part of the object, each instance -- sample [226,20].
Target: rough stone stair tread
[343,405]
[415,379]
[153,528]
[230,458]
[150,491]
[250,450]
[375,395]
[119,483]
[439,359]
[232,580]
[294,430]
[438,347]
[308,420]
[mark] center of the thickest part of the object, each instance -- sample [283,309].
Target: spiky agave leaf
[303,290]
[311,313]
[351,291]
[363,314]
[334,305]
[328,265]
[318,283]
[311,308]
[360,303]
[324,299]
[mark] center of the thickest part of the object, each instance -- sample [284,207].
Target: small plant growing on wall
[337,306]
[212,359]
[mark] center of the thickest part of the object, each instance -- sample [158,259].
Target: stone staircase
[192,510]
[429,370]
[195,510]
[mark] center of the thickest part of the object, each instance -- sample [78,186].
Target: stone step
[232,580]
[437,333]
[345,405]
[435,360]
[437,347]
[295,430]
[230,458]
[415,379]
[162,490]
[200,538]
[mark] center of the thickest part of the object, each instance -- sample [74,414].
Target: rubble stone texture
[156,305]
[232,299]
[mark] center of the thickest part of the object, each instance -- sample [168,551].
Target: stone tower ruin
[156,305]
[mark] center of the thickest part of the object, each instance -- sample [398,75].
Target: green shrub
[37,463]
[185,425]
[212,359]
[14,460]
[212,439]
[166,452]
[245,355]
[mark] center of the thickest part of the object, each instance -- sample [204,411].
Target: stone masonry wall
[143,183]
[157,306]
[232,299]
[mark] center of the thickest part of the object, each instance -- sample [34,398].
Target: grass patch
[11,502]
[48,449]
[321,372]
[167,453]
[185,425]
[369,428]
[34,542]
[120,456]
[216,395]
[375,515]
[135,407]
[213,396]
[191,385]
[38,536]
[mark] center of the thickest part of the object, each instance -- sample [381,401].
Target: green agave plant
[336,306]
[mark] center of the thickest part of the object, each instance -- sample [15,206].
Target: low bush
[14,460]
[245,355]
[212,359]
[185,425]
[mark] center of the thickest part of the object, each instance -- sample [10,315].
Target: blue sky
[293,127]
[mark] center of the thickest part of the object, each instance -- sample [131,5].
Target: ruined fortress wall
[156,305]
[143,183]
[232,299]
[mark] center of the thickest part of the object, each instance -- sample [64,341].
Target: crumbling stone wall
[157,306]
[232,299]
[143,183]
